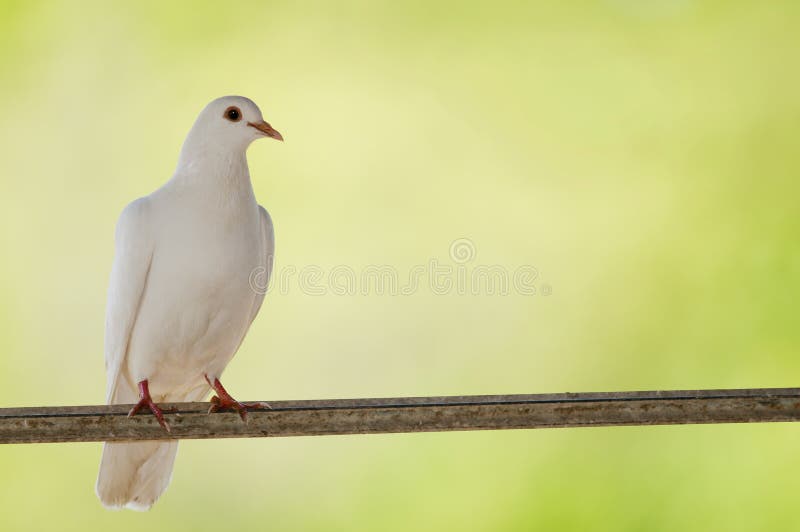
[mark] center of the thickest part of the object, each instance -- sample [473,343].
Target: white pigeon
[181,296]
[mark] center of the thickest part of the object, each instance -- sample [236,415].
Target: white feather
[180,299]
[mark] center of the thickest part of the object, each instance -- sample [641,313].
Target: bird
[181,295]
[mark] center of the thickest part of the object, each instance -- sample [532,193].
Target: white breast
[197,304]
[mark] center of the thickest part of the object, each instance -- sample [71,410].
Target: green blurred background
[641,155]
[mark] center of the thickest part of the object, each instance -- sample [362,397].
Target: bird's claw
[154,408]
[224,401]
[221,404]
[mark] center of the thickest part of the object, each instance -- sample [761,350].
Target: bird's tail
[135,474]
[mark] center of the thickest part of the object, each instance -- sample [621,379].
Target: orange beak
[266,129]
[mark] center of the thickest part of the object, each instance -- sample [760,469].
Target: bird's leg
[146,400]
[224,401]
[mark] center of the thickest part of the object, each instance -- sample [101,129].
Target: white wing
[260,283]
[268,239]
[132,257]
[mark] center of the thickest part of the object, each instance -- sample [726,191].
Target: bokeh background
[642,155]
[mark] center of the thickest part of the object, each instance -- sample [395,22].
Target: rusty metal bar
[413,414]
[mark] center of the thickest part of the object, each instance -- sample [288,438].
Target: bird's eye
[233,114]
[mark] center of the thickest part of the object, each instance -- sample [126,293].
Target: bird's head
[231,122]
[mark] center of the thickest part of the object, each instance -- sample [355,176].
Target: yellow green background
[643,156]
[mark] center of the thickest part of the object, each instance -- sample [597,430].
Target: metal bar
[413,414]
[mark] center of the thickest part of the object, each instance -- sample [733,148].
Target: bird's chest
[201,298]
[202,265]
[210,251]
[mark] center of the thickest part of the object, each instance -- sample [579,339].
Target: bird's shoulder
[265,217]
[267,227]
[136,211]
[134,221]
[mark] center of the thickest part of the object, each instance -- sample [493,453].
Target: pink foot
[146,400]
[224,401]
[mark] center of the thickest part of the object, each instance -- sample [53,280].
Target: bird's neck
[216,166]
[216,182]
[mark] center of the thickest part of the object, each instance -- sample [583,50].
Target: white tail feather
[135,474]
